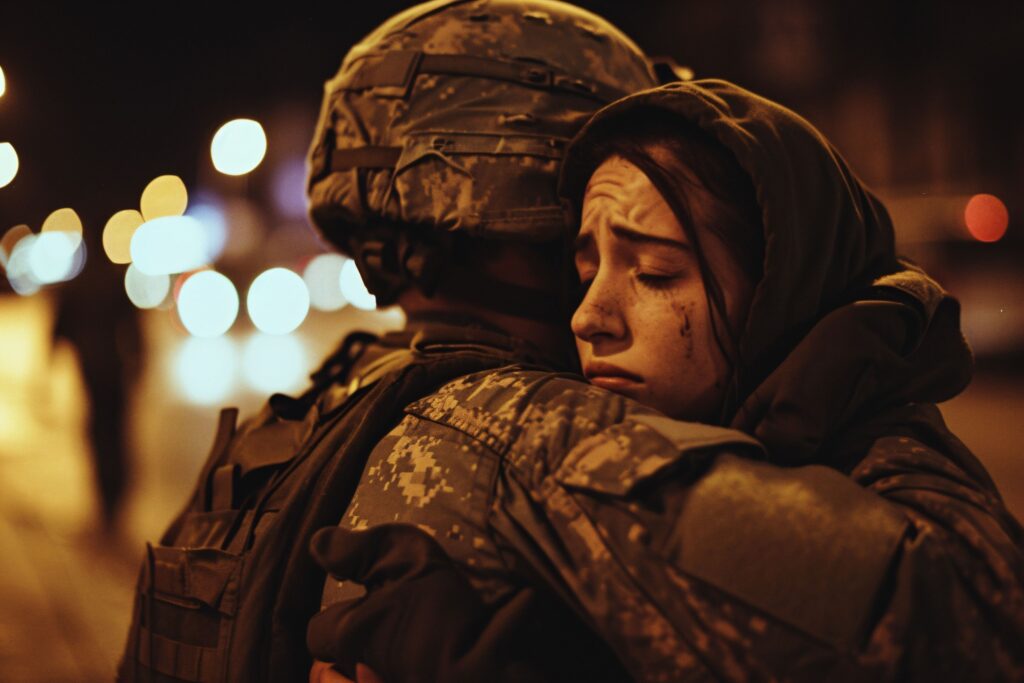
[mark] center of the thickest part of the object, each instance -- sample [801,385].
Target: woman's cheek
[665,332]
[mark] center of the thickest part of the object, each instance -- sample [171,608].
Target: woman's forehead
[619,193]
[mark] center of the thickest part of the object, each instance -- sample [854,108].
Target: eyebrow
[632,235]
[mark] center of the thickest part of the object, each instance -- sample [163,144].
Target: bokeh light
[210,215]
[207,304]
[146,291]
[65,221]
[278,301]
[8,163]
[354,290]
[173,244]
[10,240]
[51,256]
[986,217]
[274,363]
[3,82]
[19,269]
[117,235]
[205,369]
[238,147]
[164,196]
[323,279]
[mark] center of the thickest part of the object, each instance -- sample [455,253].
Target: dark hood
[837,325]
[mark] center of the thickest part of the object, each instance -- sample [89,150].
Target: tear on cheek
[683,313]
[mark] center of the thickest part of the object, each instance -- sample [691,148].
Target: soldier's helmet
[452,117]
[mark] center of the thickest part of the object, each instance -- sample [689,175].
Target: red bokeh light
[986,217]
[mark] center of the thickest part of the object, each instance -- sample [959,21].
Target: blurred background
[117,125]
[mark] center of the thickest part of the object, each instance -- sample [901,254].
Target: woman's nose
[598,317]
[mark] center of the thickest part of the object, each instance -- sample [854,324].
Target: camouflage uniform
[694,560]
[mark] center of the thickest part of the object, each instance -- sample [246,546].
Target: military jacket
[692,554]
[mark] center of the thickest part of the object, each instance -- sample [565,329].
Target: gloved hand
[421,620]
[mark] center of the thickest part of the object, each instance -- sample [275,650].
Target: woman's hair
[678,157]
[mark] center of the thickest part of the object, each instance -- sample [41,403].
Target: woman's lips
[611,377]
[613,383]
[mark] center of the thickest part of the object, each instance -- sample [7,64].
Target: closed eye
[657,280]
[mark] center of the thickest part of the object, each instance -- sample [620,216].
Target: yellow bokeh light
[278,301]
[238,147]
[172,244]
[164,196]
[207,304]
[64,221]
[3,82]
[146,291]
[323,278]
[274,363]
[117,235]
[8,163]
[10,240]
[355,291]
[205,369]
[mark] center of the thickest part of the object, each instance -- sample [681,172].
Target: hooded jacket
[835,530]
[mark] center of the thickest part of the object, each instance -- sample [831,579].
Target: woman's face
[644,327]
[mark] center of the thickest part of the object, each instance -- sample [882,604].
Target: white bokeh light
[10,240]
[274,363]
[172,244]
[278,301]
[205,369]
[207,304]
[354,290]
[146,291]
[3,82]
[8,163]
[19,270]
[52,256]
[238,147]
[323,279]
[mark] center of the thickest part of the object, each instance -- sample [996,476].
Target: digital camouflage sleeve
[692,556]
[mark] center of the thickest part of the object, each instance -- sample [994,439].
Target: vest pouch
[186,605]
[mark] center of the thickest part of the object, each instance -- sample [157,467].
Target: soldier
[435,168]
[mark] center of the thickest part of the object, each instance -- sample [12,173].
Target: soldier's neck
[547,336]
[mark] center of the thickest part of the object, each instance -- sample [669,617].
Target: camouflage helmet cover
[454,116]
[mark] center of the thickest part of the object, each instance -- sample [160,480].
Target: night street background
[922,98]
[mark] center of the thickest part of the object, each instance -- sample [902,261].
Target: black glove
[421,620]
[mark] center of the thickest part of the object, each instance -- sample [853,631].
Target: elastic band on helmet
[397,70]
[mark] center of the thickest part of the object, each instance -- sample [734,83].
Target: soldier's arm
[689,556]
[955,604]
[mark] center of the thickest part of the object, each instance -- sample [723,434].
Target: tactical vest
[227,593]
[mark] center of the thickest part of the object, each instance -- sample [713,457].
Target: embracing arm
[690,560]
